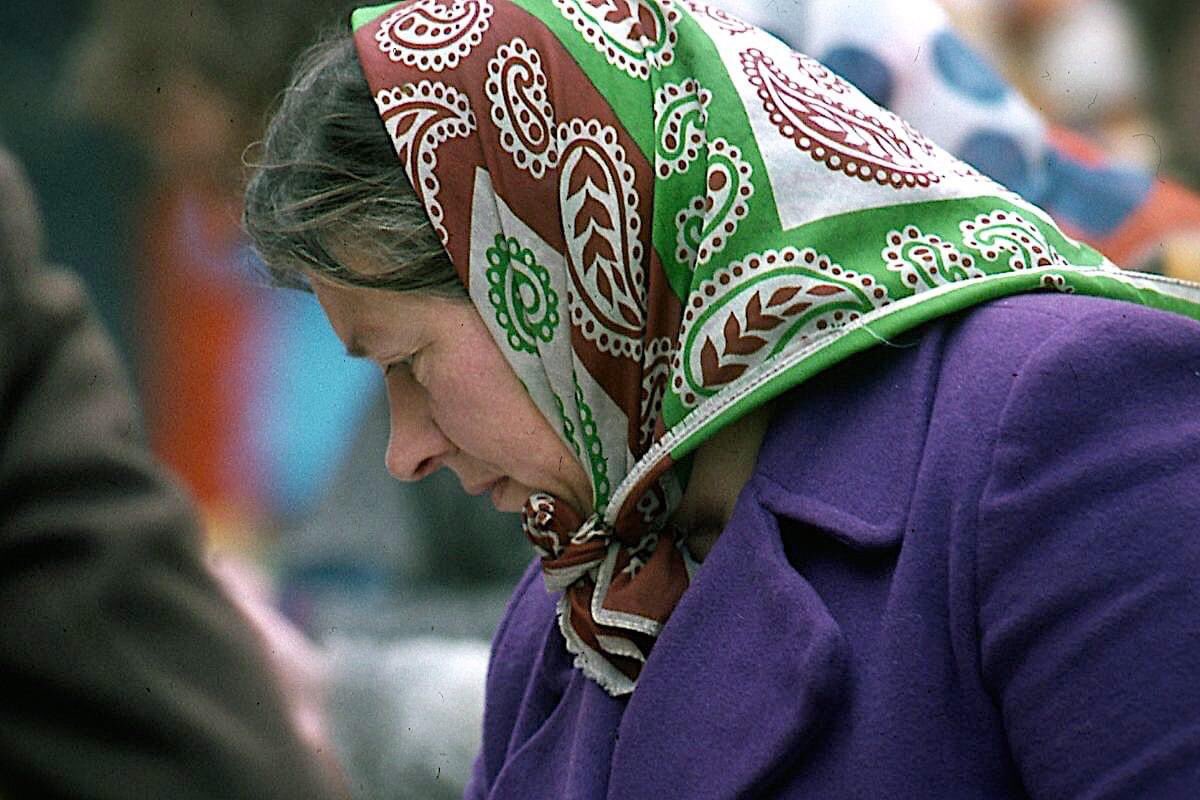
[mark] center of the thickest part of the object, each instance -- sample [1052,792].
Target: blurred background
[134,118]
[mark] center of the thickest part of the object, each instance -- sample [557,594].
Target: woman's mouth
[482,488]
[497,488]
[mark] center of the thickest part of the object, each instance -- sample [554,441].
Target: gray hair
[327,181]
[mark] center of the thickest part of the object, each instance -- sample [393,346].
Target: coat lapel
[742,678]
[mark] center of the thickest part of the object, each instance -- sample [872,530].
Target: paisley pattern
[871,145]
[593,450]
[680,111]
[655,373]
[926,261]
[633,35]
[726,22]
[659,500]
[1008,233]
[708,222]
[1057,283]
[604,256]
[431,35]
[419,117]
[540,510]
[752,309]
[525,304]
[821,75]
[521,110]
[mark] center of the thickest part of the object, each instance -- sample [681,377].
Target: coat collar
[753,665]
[750,667]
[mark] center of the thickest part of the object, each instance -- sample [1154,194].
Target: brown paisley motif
[766,302]
[865,143]
[821,74]
[419,117]
[656,369]
[633,35]
[433,35]
[520,106]
[1003,233]
[604,256]
[724,20]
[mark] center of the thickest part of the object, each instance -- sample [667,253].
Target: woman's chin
[508,495]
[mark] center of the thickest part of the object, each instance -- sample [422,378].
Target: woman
[837,489]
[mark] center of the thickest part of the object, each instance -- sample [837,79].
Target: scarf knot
[607,584]
[571,548]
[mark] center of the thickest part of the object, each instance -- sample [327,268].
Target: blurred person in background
[1171,29]
[127,674]
[1079,62]
[1172,32]
[239,383]
[1083,64]
[87,177]
[224,397]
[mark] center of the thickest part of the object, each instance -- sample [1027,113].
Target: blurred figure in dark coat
[126,673]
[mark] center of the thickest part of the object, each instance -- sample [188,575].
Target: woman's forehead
[372,322]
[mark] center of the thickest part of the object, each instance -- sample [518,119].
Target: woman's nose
[416,446]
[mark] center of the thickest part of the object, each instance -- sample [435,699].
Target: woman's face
[454,401]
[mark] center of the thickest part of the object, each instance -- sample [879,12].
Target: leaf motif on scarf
[848,135]
[999,232]
[656,371]
[680,115]
[926,261]
[525,304]
[725,21]
[754,309]
[521,110]
[432,35]
[419,117]
[705,225]
[599,203]
[633,35]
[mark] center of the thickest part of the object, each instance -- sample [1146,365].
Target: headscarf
[906,56]
[666,218]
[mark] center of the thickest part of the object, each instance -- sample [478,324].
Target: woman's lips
[481,488]
[496,488]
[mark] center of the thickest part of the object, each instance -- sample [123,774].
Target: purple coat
[966,566]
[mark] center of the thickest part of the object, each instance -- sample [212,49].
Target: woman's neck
[720,468]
